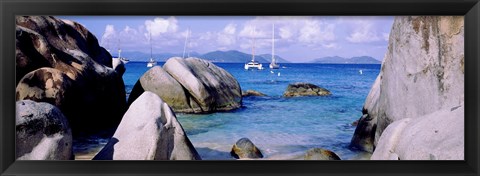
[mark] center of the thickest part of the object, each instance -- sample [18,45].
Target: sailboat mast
[273,43]
[119,50]
[253,47]
[185,46]
[150,37]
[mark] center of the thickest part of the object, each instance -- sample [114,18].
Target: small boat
[360,71]
[273,64]
[124,60]
[253,64]
[152,61]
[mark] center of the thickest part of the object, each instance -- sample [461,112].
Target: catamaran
[253,64]
[273,64]
[152,61]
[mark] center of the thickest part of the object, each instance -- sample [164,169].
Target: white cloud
[227,36]
[364,29]
[160,25]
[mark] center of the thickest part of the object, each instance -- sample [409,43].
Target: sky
[297,38]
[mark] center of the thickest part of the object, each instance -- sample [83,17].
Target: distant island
[231,56]
[234,56]
[342,60]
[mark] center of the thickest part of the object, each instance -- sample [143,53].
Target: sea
[282,128]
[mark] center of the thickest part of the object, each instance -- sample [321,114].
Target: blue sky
[297,38]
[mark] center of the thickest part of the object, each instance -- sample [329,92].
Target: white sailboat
[253,64]
[152,61]
[124,60]
[273,64]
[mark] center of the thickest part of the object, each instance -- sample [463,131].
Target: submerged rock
[252,93]
[305,89]
[244,149]
[80,80]
[320,154]
[422,73]
[42,132]
[191,85]
[149,130]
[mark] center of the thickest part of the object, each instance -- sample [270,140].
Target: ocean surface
[282,128]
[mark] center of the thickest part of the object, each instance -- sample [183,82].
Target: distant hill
[341,60]
[232,56]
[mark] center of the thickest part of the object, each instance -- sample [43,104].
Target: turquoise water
[283,128]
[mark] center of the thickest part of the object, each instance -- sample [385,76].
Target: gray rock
[245,149]
[252,93]
[158,81]
[42,132]
[436,136]
[45,41]
[422,73]
[305,89]
[45,84]
[118,66]
[149,130]
[364,136]
[320,154]
[211,88]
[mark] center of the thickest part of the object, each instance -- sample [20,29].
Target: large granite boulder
[191,85]
[149,130]
[45,84]
[69,50]
[320,154]
[422,73]
[158,81]
[245,149]
[305,89]
[42,132]
[364,136]
[430,137]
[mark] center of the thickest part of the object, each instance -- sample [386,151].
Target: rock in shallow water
[191,85]
[305,89]
[42,132]
[252,93]
[320,154]
[244,149]
[149,130]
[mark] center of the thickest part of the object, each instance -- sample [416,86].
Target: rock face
[320,154]
[191,85]
[149,130]
[422,73]
[244,148]
[60,62]
[424,138]
[42,132]
[305,89]
[249,93]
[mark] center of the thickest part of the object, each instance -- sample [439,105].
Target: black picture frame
[10,8]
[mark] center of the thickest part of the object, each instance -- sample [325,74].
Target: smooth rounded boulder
[245,149]
[320,154]
[42,132]
[149,130]
[158,81]
[305,89]
[209,88]
[94,90]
